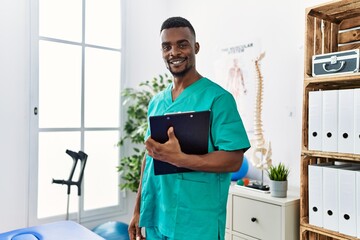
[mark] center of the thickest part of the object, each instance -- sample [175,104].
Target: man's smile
[177,61]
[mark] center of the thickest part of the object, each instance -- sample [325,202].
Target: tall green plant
[137,101]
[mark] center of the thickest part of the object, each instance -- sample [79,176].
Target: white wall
[142,43]
[280,27]
[14,112]
[279,24]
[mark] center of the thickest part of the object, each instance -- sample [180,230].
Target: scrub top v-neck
[188,205]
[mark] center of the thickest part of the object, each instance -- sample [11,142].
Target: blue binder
[190,128]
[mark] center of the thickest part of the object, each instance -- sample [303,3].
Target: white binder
[330,121]
[358,203]
[357,120]
[315,120]
[315,174]
[330,196]
[347,202]
[346,121]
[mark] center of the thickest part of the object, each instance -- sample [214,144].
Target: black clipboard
[190,128]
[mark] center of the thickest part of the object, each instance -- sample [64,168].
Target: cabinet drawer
[257,219]
[242,238]
[236,238]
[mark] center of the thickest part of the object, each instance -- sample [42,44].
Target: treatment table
[62,230]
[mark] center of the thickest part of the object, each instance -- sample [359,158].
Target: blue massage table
[63,230]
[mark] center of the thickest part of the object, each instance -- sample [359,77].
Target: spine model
[261,157]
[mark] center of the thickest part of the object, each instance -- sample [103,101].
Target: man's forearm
[218,161]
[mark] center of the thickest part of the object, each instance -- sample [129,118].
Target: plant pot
[278,188]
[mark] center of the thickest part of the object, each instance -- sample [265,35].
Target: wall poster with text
[235,71]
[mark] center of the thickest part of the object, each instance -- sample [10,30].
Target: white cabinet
[253,215]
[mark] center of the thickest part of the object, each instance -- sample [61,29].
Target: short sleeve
[227,129]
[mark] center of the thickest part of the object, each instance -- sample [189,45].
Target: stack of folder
[334,197]
[334,121]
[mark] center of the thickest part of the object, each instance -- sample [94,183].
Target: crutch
[75,156]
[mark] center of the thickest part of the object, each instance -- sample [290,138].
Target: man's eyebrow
[179,41]
[182,40]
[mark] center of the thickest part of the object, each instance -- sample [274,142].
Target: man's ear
[197,47]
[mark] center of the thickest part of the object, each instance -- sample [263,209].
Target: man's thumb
[170,132]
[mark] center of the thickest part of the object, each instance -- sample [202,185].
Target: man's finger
[138,233]
[150,144]
[132,233]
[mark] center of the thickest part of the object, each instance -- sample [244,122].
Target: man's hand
[169,151]
[134,229]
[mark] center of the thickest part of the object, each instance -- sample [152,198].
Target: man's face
[178,50]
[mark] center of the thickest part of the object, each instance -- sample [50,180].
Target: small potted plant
[278,175]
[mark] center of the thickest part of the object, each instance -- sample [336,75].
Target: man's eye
[183,45]
[165,48]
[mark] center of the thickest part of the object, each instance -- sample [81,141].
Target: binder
[357,121]
[330,196]
[330,121]
[358,203]
[190,128]
[315,172]
[315,120]
[347,201]
[346,121]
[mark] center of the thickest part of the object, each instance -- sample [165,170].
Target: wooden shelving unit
[330,27]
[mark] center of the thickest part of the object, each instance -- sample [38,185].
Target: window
[75,104]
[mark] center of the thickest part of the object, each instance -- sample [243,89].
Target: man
[191,205]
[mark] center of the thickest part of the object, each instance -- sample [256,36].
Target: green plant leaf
[278,172]
[137,101]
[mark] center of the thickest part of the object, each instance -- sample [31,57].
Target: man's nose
[175,51]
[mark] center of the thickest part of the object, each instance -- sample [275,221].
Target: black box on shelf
[343,62]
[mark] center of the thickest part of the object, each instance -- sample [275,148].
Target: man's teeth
[177,61]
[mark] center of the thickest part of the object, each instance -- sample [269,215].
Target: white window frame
[89,215]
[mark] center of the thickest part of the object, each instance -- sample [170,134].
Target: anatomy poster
[235,71]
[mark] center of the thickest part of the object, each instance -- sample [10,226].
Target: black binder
[190,128]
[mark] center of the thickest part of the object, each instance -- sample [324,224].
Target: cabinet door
[227,236]
[256,219]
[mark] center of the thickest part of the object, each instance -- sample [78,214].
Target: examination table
[62,230]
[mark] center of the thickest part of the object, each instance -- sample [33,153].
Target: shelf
[336,11]
[333,82]
[330,27]
[332,155]
[305,226]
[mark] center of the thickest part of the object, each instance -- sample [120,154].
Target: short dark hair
[175,22]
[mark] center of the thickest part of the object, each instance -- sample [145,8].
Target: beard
[181,73]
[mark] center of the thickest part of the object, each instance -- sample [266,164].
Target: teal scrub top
[192,205]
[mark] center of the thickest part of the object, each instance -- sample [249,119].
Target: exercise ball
[242,171]
[112,231]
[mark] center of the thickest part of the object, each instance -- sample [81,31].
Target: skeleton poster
[235,71]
